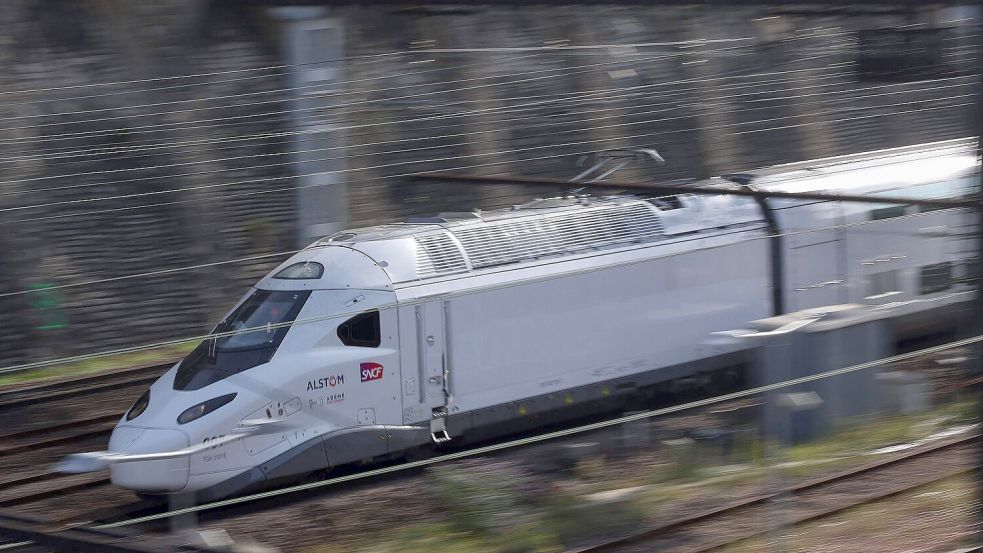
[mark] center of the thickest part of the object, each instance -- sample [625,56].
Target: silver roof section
[770,176]
[559,231]
[555,227]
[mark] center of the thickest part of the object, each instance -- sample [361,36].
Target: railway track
[679,535]
[45,488]
[37,485]
[24,441]
[23,395]
[33,444]
[37,489]
[800,503]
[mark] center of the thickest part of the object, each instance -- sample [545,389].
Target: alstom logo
[370,371]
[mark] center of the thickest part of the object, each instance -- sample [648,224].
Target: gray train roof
[872,171]
[457,243]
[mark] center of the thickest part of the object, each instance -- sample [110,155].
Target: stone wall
[463,92]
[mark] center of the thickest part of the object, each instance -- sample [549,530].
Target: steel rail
[75,387]
[25,497]
[665,531]
[32,439]
[84,540]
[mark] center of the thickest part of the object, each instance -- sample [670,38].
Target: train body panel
[583,324]
[374,341]
[907,259]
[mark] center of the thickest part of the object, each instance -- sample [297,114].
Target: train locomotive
[375,342]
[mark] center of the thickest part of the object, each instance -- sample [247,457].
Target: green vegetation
[846,445]
[99,364]
[503,510]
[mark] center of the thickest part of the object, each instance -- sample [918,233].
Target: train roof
[449,244]
[874,171]
[457,243]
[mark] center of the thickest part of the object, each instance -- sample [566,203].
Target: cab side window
[362,330]
[936,278]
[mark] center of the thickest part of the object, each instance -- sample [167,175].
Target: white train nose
[165,475]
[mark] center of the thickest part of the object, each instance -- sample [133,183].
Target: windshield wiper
[213,343]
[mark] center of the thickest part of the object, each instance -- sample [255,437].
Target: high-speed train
[375,342]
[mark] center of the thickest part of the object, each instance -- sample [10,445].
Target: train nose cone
[165,475]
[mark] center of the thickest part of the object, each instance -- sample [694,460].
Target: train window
[936,277]
[361,330]
[667,203]
[887,212]
[927,208]
[248,337]
[303,270]
[883,284]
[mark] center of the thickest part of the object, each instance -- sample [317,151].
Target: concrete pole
[313,47]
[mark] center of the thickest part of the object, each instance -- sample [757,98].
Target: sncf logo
[370,371]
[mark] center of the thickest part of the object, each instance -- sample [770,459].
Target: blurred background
[158,158]
[141,137]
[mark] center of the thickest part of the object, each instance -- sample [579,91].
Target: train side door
[434,368]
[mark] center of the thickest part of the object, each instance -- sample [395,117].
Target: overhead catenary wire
[756,131]
[485,77]
[449,295]
[609,49]
[888,161]
[503,109]
[660,56]
[333,93]
[174,270]
[363,57]
[311,150]
[158,272]
[160,204]
[562,101]
[240,105]
[589,93]
[244,95]
[164,126]
[309,87]
[303,132]
[275,190]
[265,191]
[400,175]
[499,152]
[673,107]
[356,145]
[65,136]
[556,98]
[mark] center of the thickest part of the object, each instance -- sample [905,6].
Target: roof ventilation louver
[442,218]
[511,241]
[437,254]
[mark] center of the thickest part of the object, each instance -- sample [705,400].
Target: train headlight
[139,406]
[204,408]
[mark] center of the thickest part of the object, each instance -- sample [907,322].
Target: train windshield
[252,334]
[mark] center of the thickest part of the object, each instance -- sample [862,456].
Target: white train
[372,342]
